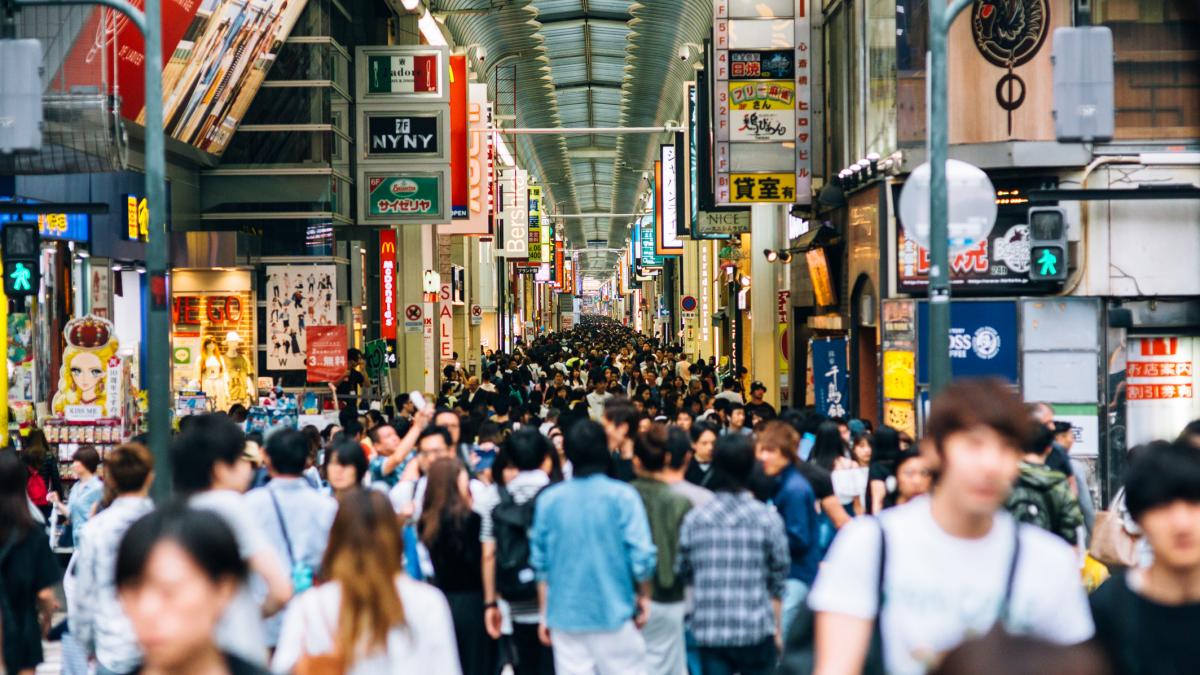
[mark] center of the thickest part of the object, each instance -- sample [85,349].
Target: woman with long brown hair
[450,531]
[366,616]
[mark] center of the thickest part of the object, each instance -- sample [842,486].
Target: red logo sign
[387,284]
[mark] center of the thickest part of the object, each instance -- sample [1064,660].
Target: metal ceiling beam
[565,131]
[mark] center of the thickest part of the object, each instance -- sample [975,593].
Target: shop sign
[472,214]
[325,355]
[446,323]
[407,72]
[403,134]
[647,252]
[761,94]
[64,226]
[211,310]
[777,64]
[831,381]
[459,144]
[537,245]
[723,223]
[750,188]
[982,340]
[1000,262]
[514,188]
[899,324]
[137,218]
[901,416]
[1085,428]
[666,203]
[387,284]
[899,375]
[404,197]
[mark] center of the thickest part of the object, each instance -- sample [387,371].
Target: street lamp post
[158,350]
[941,16]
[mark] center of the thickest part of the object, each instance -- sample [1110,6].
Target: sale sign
[326,357]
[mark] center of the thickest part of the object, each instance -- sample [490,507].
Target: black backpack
[515,579]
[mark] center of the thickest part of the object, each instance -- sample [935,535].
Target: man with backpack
[924,576]
[504,532]
[1043,496]
[592,550]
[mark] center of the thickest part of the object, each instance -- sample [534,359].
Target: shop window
[1157,46]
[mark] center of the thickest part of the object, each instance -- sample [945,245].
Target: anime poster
[84,385]
[20,369]
[298,296]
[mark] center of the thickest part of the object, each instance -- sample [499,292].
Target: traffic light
[1047,244]
[22,271]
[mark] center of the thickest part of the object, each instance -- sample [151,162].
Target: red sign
[387,284]
[326,360]
[213,310]
[558,264]
[459,193]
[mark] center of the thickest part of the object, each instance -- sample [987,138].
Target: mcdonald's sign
[387,284]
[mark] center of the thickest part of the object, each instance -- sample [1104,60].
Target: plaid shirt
[733,552]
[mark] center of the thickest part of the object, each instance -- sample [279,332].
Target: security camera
[481,53]
[683,53]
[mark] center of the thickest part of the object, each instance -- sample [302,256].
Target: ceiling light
[431,31]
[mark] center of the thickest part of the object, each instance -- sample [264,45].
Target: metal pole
[158,349]
[941,17]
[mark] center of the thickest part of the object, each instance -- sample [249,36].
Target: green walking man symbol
[20,276]
[1048,262]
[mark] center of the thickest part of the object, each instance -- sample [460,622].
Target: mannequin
[214,379]
[241,375]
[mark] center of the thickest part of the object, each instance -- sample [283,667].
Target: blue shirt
[83,496]
[590,542]
[796,502]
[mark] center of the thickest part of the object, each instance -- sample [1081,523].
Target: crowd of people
[596,502]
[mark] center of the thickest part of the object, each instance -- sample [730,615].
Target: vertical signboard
[403,172]
[514,218]
[761,102]
[831,382]
[445,323]
[666,203]
[458,137]
[1160,387]
[387,284]
[534,205]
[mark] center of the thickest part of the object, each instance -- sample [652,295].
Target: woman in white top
[367,616]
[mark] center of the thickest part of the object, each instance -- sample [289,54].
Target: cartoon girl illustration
[81,380]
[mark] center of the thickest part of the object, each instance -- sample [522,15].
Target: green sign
[406,73]
[375,354]
[404,196]
[646,240]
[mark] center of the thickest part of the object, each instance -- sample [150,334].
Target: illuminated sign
[405,135]
[667,203]
[137,217]
[387,284]
[65,226]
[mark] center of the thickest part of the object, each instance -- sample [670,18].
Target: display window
[212,340]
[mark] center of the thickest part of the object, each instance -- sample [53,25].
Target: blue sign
[65,226]
[983,340]
[831,379]
[646,233]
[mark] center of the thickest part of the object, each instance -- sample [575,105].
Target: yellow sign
[818,272]
[773,95]
[748,188]
[899,375]
[137,216]
[901,416]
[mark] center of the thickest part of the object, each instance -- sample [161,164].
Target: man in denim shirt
[590,546]
[294,517]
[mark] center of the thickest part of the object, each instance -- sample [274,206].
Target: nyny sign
[405,134]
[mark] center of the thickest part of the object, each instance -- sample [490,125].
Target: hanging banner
[648,257]
[514,188]
[831,381]
[666,203]
[459,145]
[298,297]
[326,353]
[446,323]
[387,284]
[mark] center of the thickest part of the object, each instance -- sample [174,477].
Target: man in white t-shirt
[949,556]
[597,399]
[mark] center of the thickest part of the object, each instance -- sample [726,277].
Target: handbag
[1111,542]
[331,663]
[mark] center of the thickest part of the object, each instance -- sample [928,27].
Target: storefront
[214,362]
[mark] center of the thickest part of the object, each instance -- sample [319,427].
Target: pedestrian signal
[22,273]
[1047,244]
